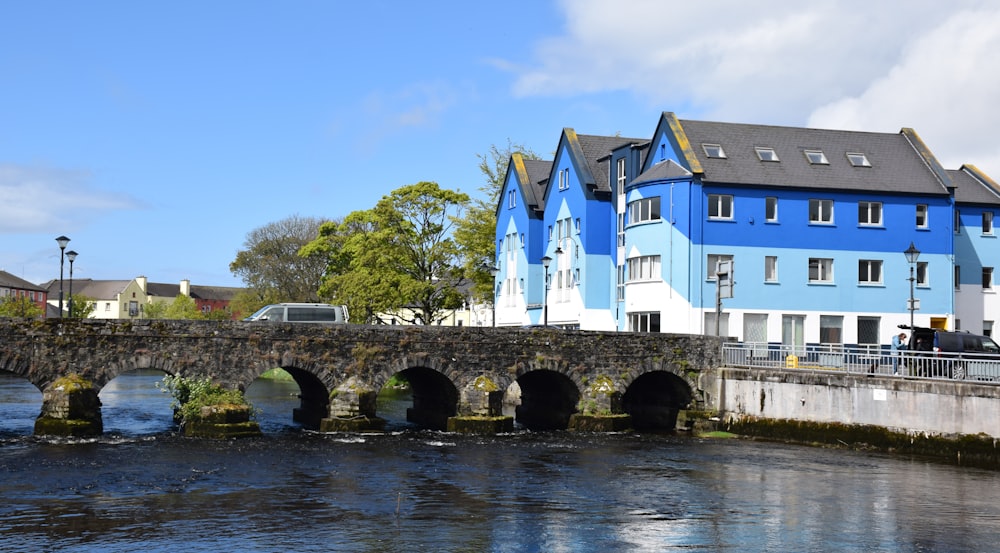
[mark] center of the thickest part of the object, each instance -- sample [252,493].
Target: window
[511,199]
[644,322]
[644,268]
[771,209]
[621,283]
[713,260]
[831,329]
[921,273]
[858,159]
[987,222]
[821,211]
[713,150]
[987,278]
[868,330]
[958,222]
[870,213]
[770,268]
[621,230]
[720,206]
[987,328]
[766,154]
[958,277]
[646,209]
[621,176]
[816,157]
[869,271]
[921,215]
[564,179]
[820,269]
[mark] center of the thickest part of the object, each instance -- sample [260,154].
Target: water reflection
[132,405]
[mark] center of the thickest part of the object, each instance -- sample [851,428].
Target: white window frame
[988,223]
[768,202]
[712,261]
[921,274]
[858,159]
[511,199]
[765,153]
[922,213]
[641,210]
[866,268]
[816,157]
[987,279]
[643,268]
[719,203]
[823,209]
[820,270]
[714,151]
[869,213]
[620,170]
[770,268]
[563,179]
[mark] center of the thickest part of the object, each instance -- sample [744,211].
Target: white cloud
[36,199]
[420,105]
[855,64]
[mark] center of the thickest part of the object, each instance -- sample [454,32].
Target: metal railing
[863,359]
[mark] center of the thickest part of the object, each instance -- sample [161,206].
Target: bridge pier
[600,408]
[352,409]
[70,407]
[480,409]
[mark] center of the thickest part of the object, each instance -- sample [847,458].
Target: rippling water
[141,487]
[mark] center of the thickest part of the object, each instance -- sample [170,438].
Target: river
[141,487]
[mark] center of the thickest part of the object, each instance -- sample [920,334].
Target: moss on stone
[480,424]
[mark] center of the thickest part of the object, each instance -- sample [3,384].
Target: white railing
[872,359]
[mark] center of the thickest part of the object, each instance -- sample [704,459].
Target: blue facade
[814,221]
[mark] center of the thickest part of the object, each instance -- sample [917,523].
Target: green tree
[270,266]
[476,231]
[399,254]
[183,307]
[83,306]
[19,306]
[156,310]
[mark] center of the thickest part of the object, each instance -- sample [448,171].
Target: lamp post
[62,241]
[545,297]
[493,269]
[71,255]
[912,253]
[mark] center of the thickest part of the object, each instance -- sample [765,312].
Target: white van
[301,313]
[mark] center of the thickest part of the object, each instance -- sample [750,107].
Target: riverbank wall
[953,420]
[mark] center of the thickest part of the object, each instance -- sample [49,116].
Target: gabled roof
[596,151]
[538,176]
[899,162]
[96,289]
[8,280]
[664,170]
[972,186]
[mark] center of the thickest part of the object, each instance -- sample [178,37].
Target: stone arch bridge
[568,379]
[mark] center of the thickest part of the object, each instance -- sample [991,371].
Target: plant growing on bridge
[191,394]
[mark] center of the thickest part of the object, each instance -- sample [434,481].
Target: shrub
[191,394]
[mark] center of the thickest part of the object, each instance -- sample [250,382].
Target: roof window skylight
[858,159]
[816,157]
[766,154]
[713,150]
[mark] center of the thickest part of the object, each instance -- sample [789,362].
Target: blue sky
[156,135]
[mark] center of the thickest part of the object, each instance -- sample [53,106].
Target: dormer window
[713,150]
[858,159]
[766,154]
[816,157]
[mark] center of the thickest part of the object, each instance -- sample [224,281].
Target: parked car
[948,354]
[301,313]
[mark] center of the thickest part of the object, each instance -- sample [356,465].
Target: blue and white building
[814,221]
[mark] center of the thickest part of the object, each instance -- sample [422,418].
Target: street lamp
[545,298]
[493,269]
[71,255]
[62,240]
[912,253]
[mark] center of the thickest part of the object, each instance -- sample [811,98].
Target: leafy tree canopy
[398,256]
[19,306]
[272,269]
[81,307]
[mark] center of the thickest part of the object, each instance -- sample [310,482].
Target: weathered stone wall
[234,353]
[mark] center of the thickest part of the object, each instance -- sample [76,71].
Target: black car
[944,351]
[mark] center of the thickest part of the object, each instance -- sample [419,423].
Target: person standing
[898,345]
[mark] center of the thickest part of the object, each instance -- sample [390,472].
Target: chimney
[186,288]
[142,283]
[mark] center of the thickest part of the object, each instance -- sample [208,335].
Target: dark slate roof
[663,170]
[597,150]
[8,280]
[96,289]
[538,171]
[970,190]
[225,293]
[900,163]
